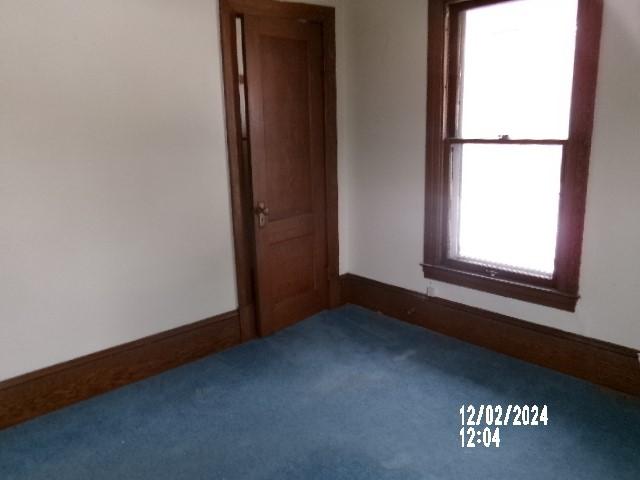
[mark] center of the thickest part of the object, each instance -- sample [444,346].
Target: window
[511,96]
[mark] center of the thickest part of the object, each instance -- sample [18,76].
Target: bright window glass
[506,209]
[517,69]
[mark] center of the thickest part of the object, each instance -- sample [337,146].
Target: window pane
[506,201]
[517,69]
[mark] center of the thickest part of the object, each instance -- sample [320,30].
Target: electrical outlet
[431,292]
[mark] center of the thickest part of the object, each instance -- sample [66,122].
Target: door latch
[262,211]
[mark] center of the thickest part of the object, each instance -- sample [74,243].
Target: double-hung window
[511,97]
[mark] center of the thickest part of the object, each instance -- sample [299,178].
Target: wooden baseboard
[43,391]
[599,362]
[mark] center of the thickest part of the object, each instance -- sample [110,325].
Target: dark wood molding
[443,60]
[575,171]
[239,177]
[239,169]
[277,8]
[503,141]
[436,167]
[526,292]
[331,155]
[599,362]
[27,396]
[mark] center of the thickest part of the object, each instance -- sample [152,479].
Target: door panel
[285,83]
[285,64]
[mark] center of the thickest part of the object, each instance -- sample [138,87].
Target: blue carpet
[347,394]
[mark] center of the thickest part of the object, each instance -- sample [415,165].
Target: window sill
[548,297]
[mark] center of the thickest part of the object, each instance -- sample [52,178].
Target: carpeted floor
[348,394]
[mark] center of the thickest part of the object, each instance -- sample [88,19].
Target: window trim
[561,291]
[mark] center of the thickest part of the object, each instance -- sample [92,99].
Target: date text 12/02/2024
[496,416]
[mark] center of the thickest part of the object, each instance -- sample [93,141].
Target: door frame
[239,175]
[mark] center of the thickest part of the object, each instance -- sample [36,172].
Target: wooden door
[285,91]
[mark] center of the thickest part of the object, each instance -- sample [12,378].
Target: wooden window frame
[561,291]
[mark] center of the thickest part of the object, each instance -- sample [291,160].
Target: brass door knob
[262,211]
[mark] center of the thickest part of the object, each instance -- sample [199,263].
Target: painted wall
[385,124]
[114,201]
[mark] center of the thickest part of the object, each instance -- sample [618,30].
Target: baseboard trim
[27,396]
[599,362]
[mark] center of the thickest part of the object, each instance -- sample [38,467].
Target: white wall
[114,203]
[114,200]
[385,125]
